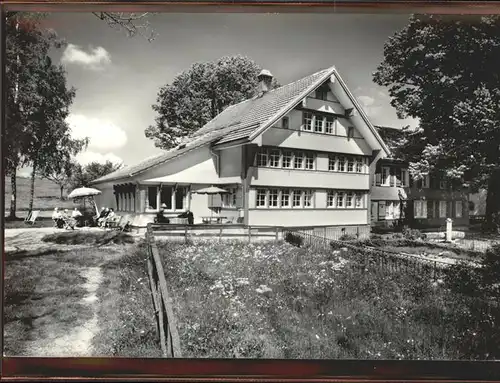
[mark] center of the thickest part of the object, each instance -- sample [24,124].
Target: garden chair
[69,223]
[124,226]
[32,216]
[113,223]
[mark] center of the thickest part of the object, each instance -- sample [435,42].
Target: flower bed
[274,300]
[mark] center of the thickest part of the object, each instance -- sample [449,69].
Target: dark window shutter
[398,178]
[378,179]
[430,209]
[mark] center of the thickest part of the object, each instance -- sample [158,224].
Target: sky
[117,78]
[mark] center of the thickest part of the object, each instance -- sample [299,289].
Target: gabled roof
[151,162]
[248,116]
[245,120]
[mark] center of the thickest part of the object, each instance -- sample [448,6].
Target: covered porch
[178,193]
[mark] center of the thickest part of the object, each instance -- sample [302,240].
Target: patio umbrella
[212,190]
[85,192]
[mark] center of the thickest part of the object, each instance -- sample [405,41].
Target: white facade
[312,166]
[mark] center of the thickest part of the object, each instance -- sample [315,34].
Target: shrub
[294,239]
[413,234]
[89,238]
[348,237]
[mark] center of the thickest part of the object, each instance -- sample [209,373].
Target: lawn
[47,298]
[425,248]
[273,300]
[47,195]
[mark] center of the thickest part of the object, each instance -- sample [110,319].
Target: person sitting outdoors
[68,221]
[110,216]
[160,218]
[57,218]
[102,216]
[77,216]
[189,215]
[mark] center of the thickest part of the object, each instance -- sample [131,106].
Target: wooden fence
[167,326]
[389,260]
[224,231]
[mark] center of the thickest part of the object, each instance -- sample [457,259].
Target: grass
[237,300]
[42,295]
[128,327]
[95,238]
[44,291]
[47,195]
[20,224]
[419,247]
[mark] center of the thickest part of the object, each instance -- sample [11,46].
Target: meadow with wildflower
[275,300]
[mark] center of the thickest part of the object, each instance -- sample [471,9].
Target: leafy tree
[50,145]
[199,94]
[25,44]
[444,71]
[132,23]
[60,173]
[82,176]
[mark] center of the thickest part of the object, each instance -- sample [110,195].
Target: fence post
[357,232]
[249,234]
[220,233]
[277,234]
[185,234]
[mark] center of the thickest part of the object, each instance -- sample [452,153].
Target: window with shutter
[430,209]
[399,177]
[442,209]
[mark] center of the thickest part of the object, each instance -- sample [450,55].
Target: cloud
[366,100]
[376,103]
[103,135]
[87,157]
[95,58]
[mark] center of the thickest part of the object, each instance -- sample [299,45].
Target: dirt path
[58,337]
[78,341]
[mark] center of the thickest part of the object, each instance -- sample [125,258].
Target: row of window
[125,201]
[172,197]
[290,159]
[392,177]
[320,123]
[346,199]
[437,209]
[300,198]
[351,164]
[400,177]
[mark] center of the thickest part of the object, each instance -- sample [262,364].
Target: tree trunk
[493,201]
[61,188]
[13,180]
[32,188]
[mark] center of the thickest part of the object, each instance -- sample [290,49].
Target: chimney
[265,79]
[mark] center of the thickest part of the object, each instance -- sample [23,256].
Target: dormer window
[385,176]
[350,132]
[321,94]
[285,123]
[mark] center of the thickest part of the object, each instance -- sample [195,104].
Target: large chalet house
[426,203]
[303,155]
